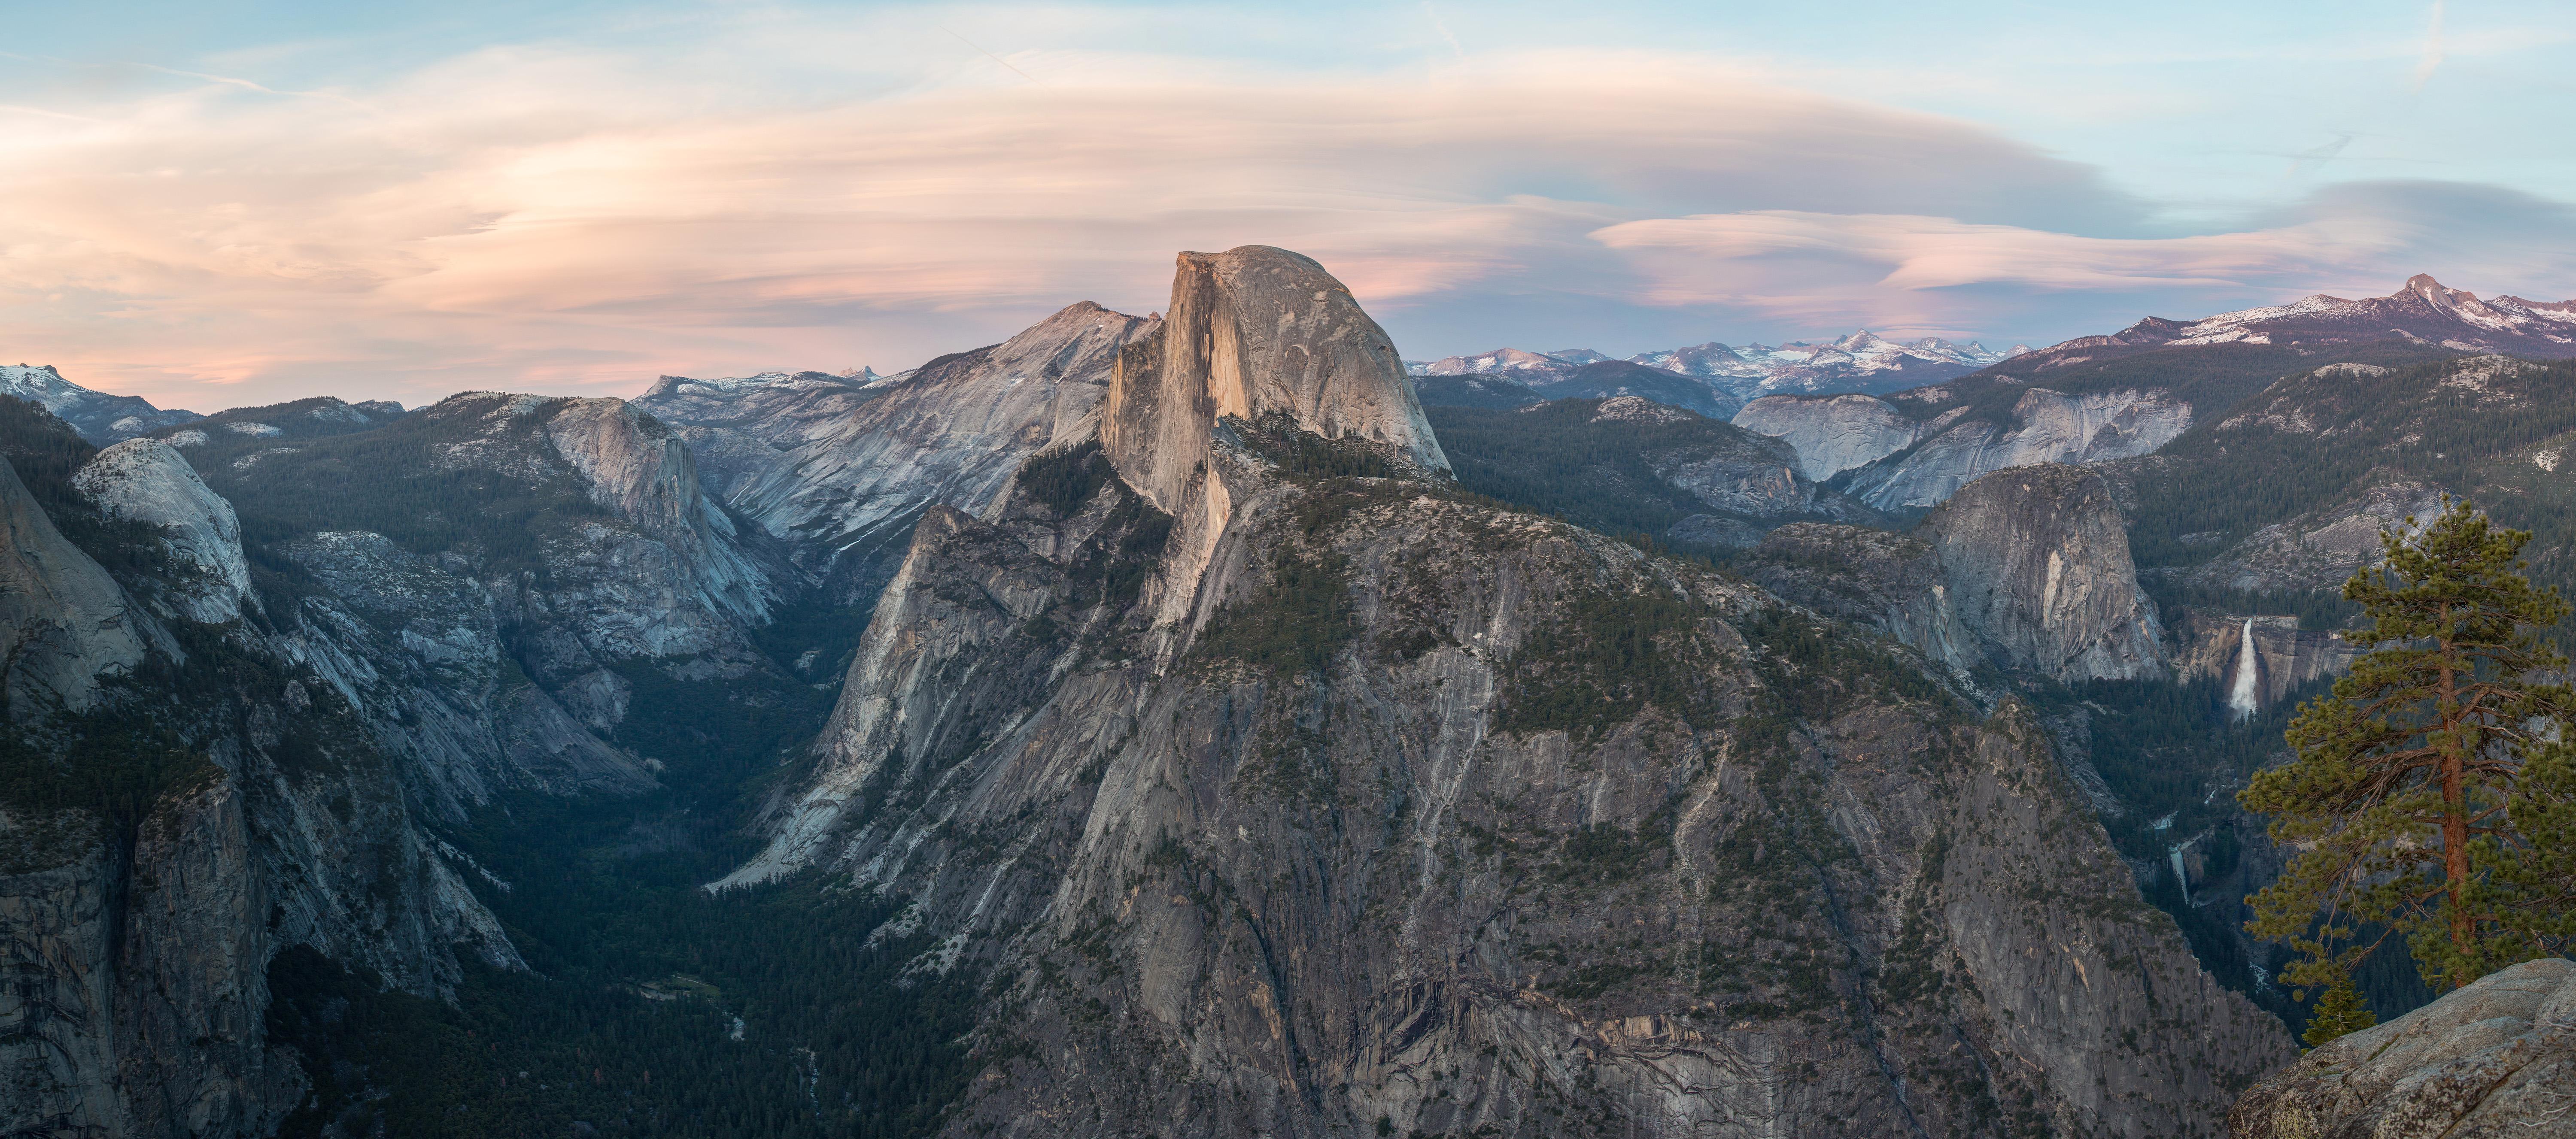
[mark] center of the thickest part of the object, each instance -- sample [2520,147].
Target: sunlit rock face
[838,468]
[147,481]
[1832,434]
[2037,561]
[2048,428]
[1255,332]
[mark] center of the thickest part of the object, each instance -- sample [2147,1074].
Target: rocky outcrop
[2286,658]
[1479,922]
[636,467]
[1835,434]
[63,621]
[839,468]
[2493,1060]
[1252,333]
[2048,427]
[146,481]
[1331,804]
[2036,560]
[2026,569]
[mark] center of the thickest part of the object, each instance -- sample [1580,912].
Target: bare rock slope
[147,481]
[839,468]
[1903,462]
[2494,1060]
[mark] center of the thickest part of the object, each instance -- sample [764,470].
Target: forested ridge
[1562,459]
[2209,377]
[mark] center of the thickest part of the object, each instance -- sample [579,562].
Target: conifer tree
[2405,802]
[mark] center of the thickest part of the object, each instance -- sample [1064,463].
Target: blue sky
[223,207]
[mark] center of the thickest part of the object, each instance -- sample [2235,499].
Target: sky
[229,205]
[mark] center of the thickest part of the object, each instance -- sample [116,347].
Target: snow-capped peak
[2422,310]
[1858,361]
[37,382]
[100,417]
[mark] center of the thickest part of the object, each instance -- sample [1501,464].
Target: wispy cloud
[2432,59]
[2356,237]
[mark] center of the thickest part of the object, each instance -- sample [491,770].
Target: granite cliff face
[2494,1059]
[1255,333]
[1328,801]
[1834,434]
[1901,462]
[66,622]
[839,468]
[1889,582]
[2037,561]
[2027,568]
[146,481]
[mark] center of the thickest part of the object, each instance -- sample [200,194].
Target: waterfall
[2246,696]
[2181,879]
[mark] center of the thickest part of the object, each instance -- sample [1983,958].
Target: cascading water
[2246,696]
[2180,878]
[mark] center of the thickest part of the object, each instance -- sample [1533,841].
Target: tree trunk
[2455,807]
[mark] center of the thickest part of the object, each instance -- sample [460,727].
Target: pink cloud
[548,219]
[532,218]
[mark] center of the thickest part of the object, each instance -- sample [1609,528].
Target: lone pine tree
[2405,804]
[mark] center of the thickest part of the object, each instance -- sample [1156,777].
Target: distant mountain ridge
[2422,311]
[1860,362]
[99,417]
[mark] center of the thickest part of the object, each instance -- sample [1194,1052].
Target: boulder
[2495,1059]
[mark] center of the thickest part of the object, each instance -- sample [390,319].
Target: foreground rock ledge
[2497,1058]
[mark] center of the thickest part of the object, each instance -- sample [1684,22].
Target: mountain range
[1184,725]
[1715,378]
[99,417]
